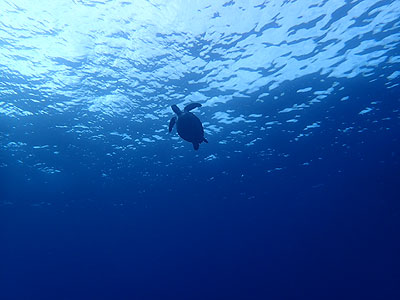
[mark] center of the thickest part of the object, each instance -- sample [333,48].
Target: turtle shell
[189,128]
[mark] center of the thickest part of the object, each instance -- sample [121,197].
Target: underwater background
[296,195]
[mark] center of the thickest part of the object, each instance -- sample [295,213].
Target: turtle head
[176,110]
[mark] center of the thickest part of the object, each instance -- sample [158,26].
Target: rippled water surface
[104,74]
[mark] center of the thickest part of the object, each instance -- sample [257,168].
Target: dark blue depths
[340,240]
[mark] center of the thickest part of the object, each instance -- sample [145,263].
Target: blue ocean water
[296,195]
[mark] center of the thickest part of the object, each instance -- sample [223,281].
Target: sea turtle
[189,126]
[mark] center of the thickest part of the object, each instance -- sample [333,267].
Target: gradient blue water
[296,196]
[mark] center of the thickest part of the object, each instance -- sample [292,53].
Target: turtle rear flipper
[191,106]
[196,146]
[172,123]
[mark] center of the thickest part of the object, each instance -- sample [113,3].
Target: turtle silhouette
[189,126]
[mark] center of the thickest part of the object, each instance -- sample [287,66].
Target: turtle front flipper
[196,146]
[205,140]
[176,109]
[191,106]
[172,123]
